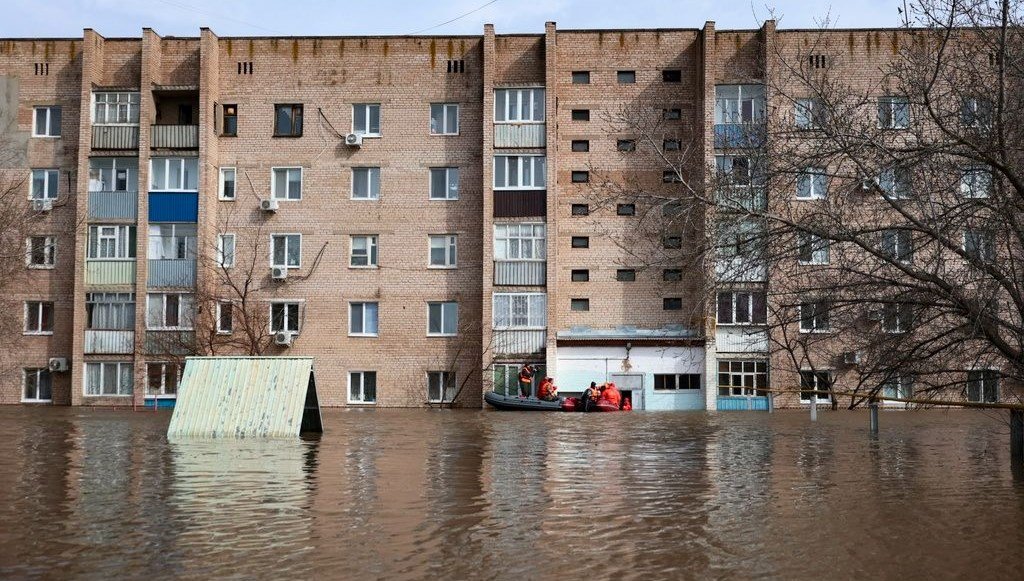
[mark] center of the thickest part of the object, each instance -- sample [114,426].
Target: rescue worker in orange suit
[526,380]
[612,395]
[547,390]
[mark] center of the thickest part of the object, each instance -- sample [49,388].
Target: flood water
[481,495]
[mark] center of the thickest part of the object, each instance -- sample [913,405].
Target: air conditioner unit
[58,364]
[268,205]
[284,338]
[278,272]
[42,205]
[851,358]
[354,140]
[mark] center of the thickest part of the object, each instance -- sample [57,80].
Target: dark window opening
[626,77]
[672,304]
[625,275]
[626,145]
[626,209]
[580,209]
[288,120]
[230,120]
[580,145]
[581,114]
[579,304]
[671,176]
[245,67]
[672,275]
[456,66]
[581,77]
[672,114]
[670,145]
[581,242]
[671,76]
[673,242]
[580,177]
[581,275]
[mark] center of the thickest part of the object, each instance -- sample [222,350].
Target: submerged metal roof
[243,397]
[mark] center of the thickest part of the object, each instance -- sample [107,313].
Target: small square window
[580,177]
[670,145]
[580,210]
[581,275]
[671,76]
[580,145]
[672,114]
[626,145]
[581,114]
[626,209]
[46,122]
[579,304]
[366,119]
[673,242]
[363,252]
[672,304]
[581,77]
[626,77]
[671,176]
[580,242]
[625,275]
[672,275]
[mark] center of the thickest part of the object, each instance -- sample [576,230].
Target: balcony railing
[170,342]
[519,135]
[115,136]
[174,136]
[109,341]
[171,272]
[520,203]
[124,205]
[741,339]
[519,342]
[742,197]
[520,272]
[739,135]
[110,272]
[741,269]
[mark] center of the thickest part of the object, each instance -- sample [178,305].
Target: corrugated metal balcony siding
[170,342]
[520,203]
[171,272]
[519,135]
[174,136]
[519,342]
[520,272]
[115,136]
[108,341]
[123,205]
[110,272]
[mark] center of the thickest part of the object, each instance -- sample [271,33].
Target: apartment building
[415,213]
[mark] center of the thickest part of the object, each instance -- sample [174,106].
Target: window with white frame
[110,311]
[813,249]
[676,381]
[366,119]
[898,386]
[814,316]
[893,112]
[444,250]
[506,378]
[225,317]
[109,378]
[362,387]
[111,242]
[815,381]
[980,244]
[812,184]
[742,378]
[41,251]
[363,251]
[520,311]
[286,250]
[38,318]
[46,121]
[284,316]
[169,311]
[225,250]
[172,241]
[113,174]
[739,104]
[444,183]
[174,174]
[520,172]
[742,307]
[519,105]
[441,386]
[740,183]
[444,119]
[443,318]
[362,319]
[365,183]
[982,385]
[897,317]
[162,379]
[896,182]
[45,184]
[975,183]
[115,108]
[286,183]
[523,241]
[898,245]
[37,385]
[226,187]
[810,113]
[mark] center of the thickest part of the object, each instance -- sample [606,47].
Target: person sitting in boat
[612,395]
[589,397]
[547,390]
[526,380]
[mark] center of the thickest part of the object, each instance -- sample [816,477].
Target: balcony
[171,272]
[739,135]
[170,342]
[174,136]
[520,203]
[520,272]
[110,272]
[750,198]
[519,342]
[520,135]
[115,137]
[741,339]
[740,269]
[113,205]
[109,342]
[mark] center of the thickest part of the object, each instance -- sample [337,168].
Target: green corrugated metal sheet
[110,271]
[242,397]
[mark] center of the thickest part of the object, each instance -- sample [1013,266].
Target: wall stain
[295,51]
[433,53]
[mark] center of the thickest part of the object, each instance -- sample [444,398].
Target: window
[524,241]
[225,250]
[288,120]
[440,386]
[671,145]
[742,308]
[284,316]
[45,184]
[169,311]
[975,183]
[225,317]
[672,76]
[739,104]
[676,381]
[671,176]
[226,190]
[897,317]
[898,245]
[895,182]
[443,318]
[983,385]
[817,61]
[625,209]
[172,241]
[814,316]
[46,121]
[671,114]
[672,242]
[444,119]
[443,250]
[286,183]
[580,242]
[581,77]
[444,183]
[362,319]
[520,172]
[109,378]
[580,209]
[976,112]
[812,184]
[363,251]
[362,387]
[742,378]
[580,177]
[506,378]
[230,121]
[900,386]
[112,174]
[810,113]
[162,379]
[519,105]
[672,275]
[38,318]
[41,251]
[625,275]
[743,239]
[111,242]
[893,112]
[580,145]
[625,145]
[286,250]
[115,108]
[580,114]
[579,304]
[815,381]
[580,275]
[672,304]
[110,311]
[626,77]
[38,386]
[520,311]
[174,174]
[979,245]
[365,183]
[813,249]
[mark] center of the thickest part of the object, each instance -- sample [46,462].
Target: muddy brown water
[490,495]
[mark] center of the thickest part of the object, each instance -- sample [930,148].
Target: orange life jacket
[611,395]
[545,390]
